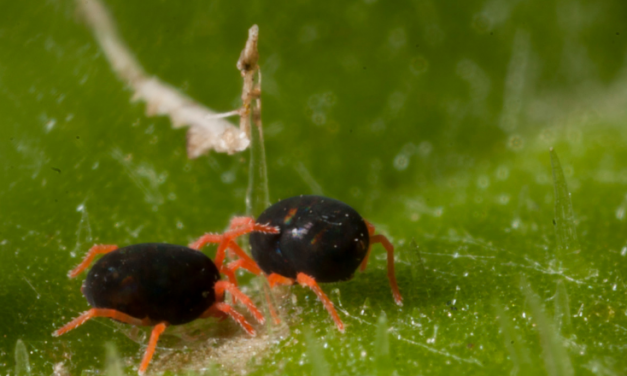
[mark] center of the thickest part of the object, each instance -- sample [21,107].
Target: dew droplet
[401,162]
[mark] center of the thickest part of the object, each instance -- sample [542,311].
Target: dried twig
[257,196]
[208,130]
[247,65]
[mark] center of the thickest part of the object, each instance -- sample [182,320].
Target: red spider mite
[319,240]
[155,284]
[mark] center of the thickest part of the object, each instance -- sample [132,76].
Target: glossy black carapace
[160,282]
[157,285]
[314,239]
[319,236]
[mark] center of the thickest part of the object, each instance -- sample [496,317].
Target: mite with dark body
[319,239]
[155,284]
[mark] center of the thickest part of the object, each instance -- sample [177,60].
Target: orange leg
[89,257]
[205,239]
[390,250]
[152,344]
[370,227]
[391,275]
[230,274]
[221,240]
[245,264]
[99,312]
[222,286]
[240,221]
[225,308]
[214,312]
[307,281]
[273,313]
[272,279]
[239,226]
[277,279]
[364,262]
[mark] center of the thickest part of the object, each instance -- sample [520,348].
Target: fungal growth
[208,129]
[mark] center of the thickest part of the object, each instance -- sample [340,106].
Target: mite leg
[243,225]
[391,275]
[364,262]
[222,286]
[240,221]
[273,312]
[152,344]
[249,264]
[273,280]
[277,279]
[89,257]
[227,309]
[239,226]
[214,312]
[230,274]
[244,264]
[204,240]
[222,241]
[246,261]
[307,281]
[98,312]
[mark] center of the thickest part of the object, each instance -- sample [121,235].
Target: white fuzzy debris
[208,131]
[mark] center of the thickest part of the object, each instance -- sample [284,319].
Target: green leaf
[556,359]
[22,365]
[434,120]
[319,365]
